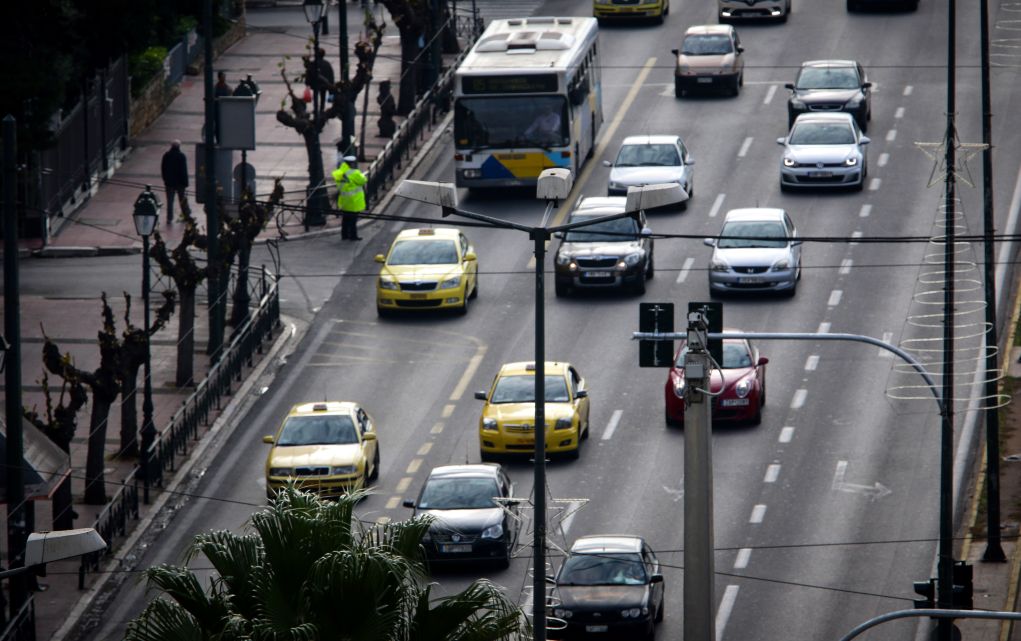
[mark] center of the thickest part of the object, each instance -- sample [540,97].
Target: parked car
[428,268]
[739,385]
[709,58]
[475,510]
[329,448]
[610,254]
[758,250]
[831,85]
[609,586]
[824,150]
[651,159]
[632,9]
[753,9]
[507,424]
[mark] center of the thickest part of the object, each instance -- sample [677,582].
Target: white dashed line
[743,556]
[758,513]
[887,338]
[786,434]
[824,328]
[393,502]
[883,159]
[772,473]
[865,212]
[726,607]
[845,266]
[685,269]
[611,427]
[856,234]
[769,95]
[798,399]
[875,183]
[744,147]
[835,297]
[899,113]
[811,363]
[891,135]
[908,89]
[715,209]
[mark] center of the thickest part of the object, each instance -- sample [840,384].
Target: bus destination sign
[532,83]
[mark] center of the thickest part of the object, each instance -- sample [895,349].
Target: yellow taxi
[507,425]
[429,268]
[656,9]
[329,448]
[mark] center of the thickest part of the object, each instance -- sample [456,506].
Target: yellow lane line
[414,465]
[473,365]
[393,503]
[437,428]
[448,410]
[403,484]
[422,451]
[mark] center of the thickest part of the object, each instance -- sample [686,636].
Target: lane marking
[726,607]
[845,266]
[743,556]
[769,95]
[758,513]
[715,209]
[866,211]
[683,274]
[899,113]
[744,147]
[447,410]
[883,159]
[422,451]
[403,485]
[811,362]
[772,473]
[572,510]
[414,465]
[875,183]
[891,135]
[469,372]
[908,89]
[824,327]
[856,234]
[887,338]
[611,427]
[437,428]
[786,434]
[393,502]
[798,400]
[835,297]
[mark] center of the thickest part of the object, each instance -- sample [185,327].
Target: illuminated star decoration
[963,152]
[557,511]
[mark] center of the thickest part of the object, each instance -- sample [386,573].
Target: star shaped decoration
[963,152]
[557,511]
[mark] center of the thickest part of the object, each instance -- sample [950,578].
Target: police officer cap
[350,159]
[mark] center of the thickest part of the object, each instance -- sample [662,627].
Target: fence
[22,626]
[180,56]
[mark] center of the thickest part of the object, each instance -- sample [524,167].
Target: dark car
[831,85]
[609,586]
[474,511]
[615,253]
[858,5]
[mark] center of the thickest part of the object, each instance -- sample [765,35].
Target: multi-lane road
[806,547]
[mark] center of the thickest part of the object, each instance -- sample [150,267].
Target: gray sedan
[824,150]
[650,160]
[758,250]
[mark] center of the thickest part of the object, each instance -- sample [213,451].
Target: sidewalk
[103,225]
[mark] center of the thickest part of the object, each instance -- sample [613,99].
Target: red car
[742,379]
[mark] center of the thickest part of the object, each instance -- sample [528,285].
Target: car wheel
[375,466]
[793,290]
[650,271]
[639,287]
[485,456]
[784,188]
[560,289]
[861,183]
[678,89]
[666,10]
[575,454]
[504,561]
[669,421]
[757,419]
[463,309]
[852,5]
[660,611]
[383,312]
[735,87]
[475,290]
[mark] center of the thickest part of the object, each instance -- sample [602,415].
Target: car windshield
[747,233]
[602,569]
[511,122]
[647,156]
[828,78]
[821,133]
[458,494]
[706,45]
[619,230]
[735,356]
[440,251]
[318,430]
[521,389]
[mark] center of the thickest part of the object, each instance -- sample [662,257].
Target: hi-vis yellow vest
[350,196]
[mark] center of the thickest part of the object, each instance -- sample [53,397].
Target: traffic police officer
[350,197]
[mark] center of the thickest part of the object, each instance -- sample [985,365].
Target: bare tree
[253,216]
[187,275]
[413,19]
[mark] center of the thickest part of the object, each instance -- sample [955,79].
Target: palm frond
[481,612]
[164,620]
[181,585]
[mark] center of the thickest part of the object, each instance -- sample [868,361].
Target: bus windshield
[511,121]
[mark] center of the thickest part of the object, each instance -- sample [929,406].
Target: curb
[225,423]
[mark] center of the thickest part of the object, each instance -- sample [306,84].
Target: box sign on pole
[655,317]
[714,319]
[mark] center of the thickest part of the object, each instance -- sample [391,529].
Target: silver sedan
[758,250]
[650,160]
[824,150]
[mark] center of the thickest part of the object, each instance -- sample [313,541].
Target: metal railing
[112,522]
[22,626]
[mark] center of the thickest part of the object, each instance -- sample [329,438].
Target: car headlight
[797,104]
[489,424]
[279,471]
[718,265]
[563,424]
[427,538]
[450,283]
[679,387]
[783,263]
[343,469]
[387,282]
[562,613]
[789,162]
[851,162]
[616,186]
[633,613]
[743,387]
[853,103]
[684,69]
[563,258]
[633,259]
[726,68]
[493,531]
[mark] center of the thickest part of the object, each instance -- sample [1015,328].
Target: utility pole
[699,566]
[347,120]
[216,304]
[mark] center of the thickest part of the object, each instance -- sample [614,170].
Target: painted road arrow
[874,492]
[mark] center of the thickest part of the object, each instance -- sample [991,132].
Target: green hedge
[144,66]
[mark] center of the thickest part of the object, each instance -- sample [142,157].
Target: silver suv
[753,9]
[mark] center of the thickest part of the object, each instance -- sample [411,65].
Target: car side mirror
[789,85]
[410,504]
[481,395]
[709,242]
[369,436]
[866,85]
[470,256]
[674,51]
[689,160]
[781,140]
[558,234]
[607,163]
[762,361]
[380,258]
[796,242]
[740,49]
[646,232]
[656,578]
[582,393]
[267,439]
[864,140]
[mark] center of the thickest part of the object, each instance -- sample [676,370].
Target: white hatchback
[757,9]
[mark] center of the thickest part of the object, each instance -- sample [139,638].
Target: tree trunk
[318,202]
[63,506]
[410,65]
[242,298]
[129,412]
[186,338]
[95,458]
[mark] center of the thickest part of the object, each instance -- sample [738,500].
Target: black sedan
[831,85]
[474,511]
[610,586]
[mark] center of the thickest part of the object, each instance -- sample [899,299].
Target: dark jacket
[174,168]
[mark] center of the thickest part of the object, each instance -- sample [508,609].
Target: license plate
[704,81]
[595,628]
[734,402]
[450,548]
[751,280]
[598,274]
[526,441]
[820,174]
[417,296]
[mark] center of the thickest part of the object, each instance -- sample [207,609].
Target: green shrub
[144,66]
[184,25]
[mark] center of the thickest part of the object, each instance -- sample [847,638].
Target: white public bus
[526,98]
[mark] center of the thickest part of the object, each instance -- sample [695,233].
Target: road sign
[714,317]
[655,317]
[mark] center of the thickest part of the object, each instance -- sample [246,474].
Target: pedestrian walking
[174,169]
[350,197]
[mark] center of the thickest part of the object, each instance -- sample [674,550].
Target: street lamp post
[554,186]
[314,15]
[147,207]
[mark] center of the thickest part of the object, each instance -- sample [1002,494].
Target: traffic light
[926,589]
[963,590]
[655,317]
